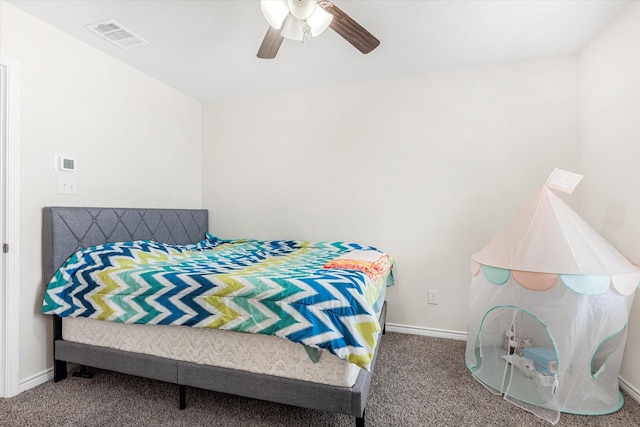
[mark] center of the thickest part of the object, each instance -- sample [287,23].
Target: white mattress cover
[257,353]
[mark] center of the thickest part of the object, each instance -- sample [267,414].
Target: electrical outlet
[433,297]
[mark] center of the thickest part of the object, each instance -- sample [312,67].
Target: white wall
[428,168]
[137,143]
[610,150]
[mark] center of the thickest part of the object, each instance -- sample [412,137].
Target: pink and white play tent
[550,300]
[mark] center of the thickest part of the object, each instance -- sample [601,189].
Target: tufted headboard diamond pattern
[68,229]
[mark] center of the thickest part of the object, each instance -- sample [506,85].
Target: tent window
[605,350]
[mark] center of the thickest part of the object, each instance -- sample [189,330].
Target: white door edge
[9,282]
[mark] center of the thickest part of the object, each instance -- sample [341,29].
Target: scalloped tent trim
[584,284]
[547,236]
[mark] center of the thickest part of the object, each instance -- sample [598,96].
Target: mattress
[257,353]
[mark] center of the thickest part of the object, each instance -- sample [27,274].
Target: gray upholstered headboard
[68,229]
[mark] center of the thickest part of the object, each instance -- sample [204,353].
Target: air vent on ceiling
[116,34]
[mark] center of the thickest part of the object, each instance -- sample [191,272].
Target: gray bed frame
[68,229]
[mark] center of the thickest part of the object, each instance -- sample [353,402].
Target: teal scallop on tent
[549,306]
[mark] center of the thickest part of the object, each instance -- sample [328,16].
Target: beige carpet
[419,381]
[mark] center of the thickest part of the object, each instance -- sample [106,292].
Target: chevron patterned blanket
[268,287]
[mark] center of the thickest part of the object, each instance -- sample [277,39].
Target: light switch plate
[67,186]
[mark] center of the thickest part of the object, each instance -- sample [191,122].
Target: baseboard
[633,392]
[36,380]
[429,332]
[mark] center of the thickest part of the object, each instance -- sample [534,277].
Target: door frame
[9,223]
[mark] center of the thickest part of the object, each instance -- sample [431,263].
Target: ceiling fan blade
[270,44]
[349,29]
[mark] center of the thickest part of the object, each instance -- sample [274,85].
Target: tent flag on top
[547,236]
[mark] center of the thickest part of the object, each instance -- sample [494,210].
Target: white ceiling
[207,49]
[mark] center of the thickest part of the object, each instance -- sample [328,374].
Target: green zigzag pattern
[275,287]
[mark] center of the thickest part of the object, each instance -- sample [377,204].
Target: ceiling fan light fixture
[275,12]
[302,9]
[293,28]
[302,19]
[319,21]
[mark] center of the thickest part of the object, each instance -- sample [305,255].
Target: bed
[69,229]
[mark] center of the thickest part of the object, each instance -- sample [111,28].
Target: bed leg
[360,420]
[83,372]
[59,370]
[183,396]
[59,366]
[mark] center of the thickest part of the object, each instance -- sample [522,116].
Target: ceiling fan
[302,19]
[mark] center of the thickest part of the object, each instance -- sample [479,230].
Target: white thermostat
[66,164]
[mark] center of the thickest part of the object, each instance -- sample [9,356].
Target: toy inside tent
[550,300]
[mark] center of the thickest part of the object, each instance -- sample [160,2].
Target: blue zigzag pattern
[276,287]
